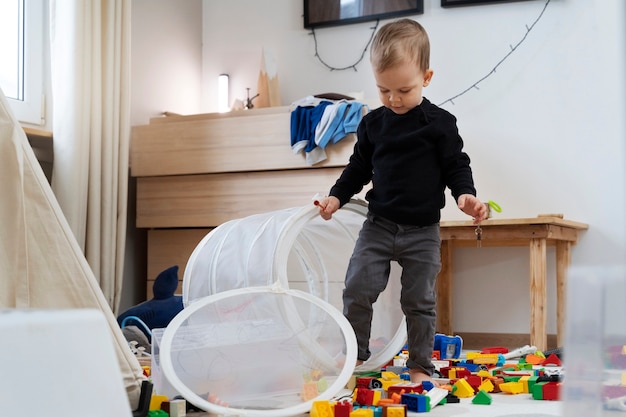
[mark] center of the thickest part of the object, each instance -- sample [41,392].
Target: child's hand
[472,206]
[328,205]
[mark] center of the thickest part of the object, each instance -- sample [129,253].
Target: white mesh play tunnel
[263,294]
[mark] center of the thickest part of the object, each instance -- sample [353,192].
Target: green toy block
[537,390]
[482,397]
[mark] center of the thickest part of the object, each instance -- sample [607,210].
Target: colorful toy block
[486,385]
[396,410]
[342,409]
[416,402]
[322,409]
[552,360]
[512,387]
[309,391]
[364,396]
[437,396]
[463,389]
[482,397]
[551,391]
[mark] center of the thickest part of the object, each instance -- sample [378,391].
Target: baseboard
[476,341]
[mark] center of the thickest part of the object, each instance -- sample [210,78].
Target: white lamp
[222,93]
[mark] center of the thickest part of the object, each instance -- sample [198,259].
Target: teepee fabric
[41,264]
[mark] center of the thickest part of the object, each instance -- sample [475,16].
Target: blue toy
[449,347]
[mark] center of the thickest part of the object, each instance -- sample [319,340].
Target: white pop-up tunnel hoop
[300,250]
[258,351]
[291,253]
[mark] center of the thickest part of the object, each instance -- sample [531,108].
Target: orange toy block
[534,359]
[309,391]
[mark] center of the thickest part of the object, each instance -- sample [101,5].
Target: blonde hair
[400,41]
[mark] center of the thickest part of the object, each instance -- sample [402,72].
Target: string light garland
[353,66]
[493,71]
[451,99]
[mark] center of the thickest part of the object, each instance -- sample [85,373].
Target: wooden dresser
[196,172]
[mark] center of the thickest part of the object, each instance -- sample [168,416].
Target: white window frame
[32,108]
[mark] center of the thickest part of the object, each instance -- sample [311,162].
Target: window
[21,67]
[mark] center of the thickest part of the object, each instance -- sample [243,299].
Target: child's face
[400,87]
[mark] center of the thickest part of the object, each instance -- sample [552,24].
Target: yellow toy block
[390,383]
[156,401]
[463,389]
[486,385]
[483,373]
[524,381]
[322,409]
[396,411]
[388,375]
[512,387]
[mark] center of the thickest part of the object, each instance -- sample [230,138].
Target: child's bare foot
[418,377]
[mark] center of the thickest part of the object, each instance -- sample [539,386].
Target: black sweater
[410,159]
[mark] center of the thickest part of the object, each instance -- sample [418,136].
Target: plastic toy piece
[463,389]
[552,360]
[519,352]
[321,409]
[551,391]
[156,401]
[362,412]
[496,350]
[309,391]
[175,408]
[534,359]
[512,387]
[537,391]
[144,400]
[404,388]
[364,396]
[452,399]
[482,397]
[449,347]
[486,386]
[436,395]
[342,409]
[416,402]
[396,410]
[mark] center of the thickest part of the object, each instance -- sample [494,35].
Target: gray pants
[417,251]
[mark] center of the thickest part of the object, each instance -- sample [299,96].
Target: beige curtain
[90,61]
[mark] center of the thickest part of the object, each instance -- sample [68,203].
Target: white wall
[545,132]
[166,58]
[166,72]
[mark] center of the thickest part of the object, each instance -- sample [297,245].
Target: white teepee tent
[41,264]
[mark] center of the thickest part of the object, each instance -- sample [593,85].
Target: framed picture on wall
[322,13]
[454,3]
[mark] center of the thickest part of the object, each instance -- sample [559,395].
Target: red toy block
[498,350]
[552,360]
[474,381]
[404,388]
[551,391]
[364,396]
[343,409]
